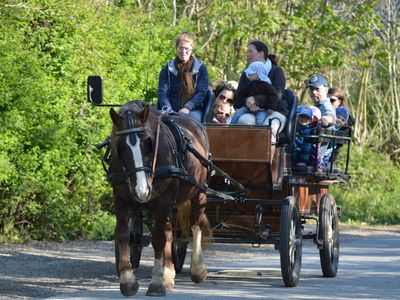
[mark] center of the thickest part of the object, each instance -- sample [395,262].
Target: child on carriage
[222,111]
[306,151]
[260,84]
[342,118]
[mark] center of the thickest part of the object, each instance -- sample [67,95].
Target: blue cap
[342,112]
[305,111]
[317,81]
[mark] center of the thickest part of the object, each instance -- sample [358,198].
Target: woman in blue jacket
[183,82]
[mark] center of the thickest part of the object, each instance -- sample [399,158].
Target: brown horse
[160,173]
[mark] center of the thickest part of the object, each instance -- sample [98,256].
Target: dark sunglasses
[223,97]
[333,99]
[225,114]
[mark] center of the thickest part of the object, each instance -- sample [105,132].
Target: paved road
[369,268]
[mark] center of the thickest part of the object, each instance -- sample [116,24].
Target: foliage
[102,227]
[373,193]
[52,185]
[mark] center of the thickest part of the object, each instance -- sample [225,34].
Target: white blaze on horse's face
[142,189]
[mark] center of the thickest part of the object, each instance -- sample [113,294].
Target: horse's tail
[183,219]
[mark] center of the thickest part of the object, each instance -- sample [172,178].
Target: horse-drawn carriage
[252,196]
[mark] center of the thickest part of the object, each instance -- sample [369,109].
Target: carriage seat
[287,134]
[206,106]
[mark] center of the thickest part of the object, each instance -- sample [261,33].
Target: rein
[153,168]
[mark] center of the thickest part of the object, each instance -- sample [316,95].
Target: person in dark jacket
[183,82]
[258,51]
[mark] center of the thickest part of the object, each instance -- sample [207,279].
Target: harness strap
[153,168]
[176,172]
[179,138]
[117,177]
[171,145]
[130,130]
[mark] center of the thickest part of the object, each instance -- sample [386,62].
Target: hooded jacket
[168,87]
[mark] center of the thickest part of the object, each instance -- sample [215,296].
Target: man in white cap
[318,88]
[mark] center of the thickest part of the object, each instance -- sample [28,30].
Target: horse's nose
[141,193]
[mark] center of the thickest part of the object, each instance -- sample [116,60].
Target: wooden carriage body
[244,153]
[274,201]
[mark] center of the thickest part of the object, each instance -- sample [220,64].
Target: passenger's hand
[254,108]
[251,104]
[184,110]
[250,101]
[324,122]
[327,120]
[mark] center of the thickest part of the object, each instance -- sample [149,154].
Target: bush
[373,193]
[103,227]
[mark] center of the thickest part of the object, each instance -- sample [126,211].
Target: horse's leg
[127,281]
[169,269]
[156,287]
[198,270]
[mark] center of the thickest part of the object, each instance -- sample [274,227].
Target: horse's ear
[115,117]
[145,113]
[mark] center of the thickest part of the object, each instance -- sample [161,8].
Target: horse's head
[132,141]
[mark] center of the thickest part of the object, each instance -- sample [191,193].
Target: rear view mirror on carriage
[95,89]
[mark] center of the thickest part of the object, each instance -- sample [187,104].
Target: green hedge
[373,193]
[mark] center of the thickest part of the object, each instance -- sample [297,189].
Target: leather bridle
[131,132]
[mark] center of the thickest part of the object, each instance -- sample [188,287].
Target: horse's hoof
[169,285]
[199,278]
[169,279]
[129,289]
[156,289]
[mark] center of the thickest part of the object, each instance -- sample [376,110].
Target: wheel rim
[331,233]
[292,242]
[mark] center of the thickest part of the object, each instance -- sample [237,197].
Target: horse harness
[178,143]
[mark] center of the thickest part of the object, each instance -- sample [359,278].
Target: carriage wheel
[290,243]
[329,236]
[178,254]
[135,247]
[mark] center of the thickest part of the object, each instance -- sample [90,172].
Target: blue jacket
[168,86]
